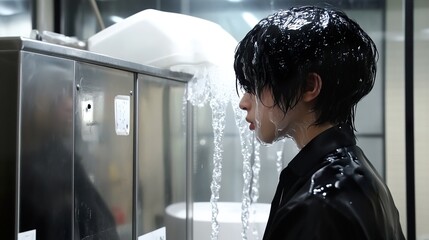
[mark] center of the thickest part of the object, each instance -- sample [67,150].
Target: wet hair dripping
[283,48]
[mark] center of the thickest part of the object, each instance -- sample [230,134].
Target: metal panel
[9,70]
[67,164]
[103,153]
[161,151]
[46,164]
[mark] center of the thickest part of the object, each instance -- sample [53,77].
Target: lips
[252,125]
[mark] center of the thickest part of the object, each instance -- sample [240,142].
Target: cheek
[279,119]
[270,124]
[266,131]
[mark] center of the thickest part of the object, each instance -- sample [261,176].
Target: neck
[304,133]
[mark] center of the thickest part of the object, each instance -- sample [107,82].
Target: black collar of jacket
[313,153]
[305,163]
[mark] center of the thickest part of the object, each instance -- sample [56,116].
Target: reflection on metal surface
[46,182]
[106,157]
[69,151]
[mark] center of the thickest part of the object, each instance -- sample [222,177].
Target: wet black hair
[283,48]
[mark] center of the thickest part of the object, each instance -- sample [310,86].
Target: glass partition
[162,162]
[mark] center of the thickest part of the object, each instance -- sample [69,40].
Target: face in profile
[268,121]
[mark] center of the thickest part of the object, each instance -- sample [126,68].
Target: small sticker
[158,234]
[122,115]
[28,235]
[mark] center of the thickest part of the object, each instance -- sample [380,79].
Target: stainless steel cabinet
[92,147]
[103,160]
[45,126]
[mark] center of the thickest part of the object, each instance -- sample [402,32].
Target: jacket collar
[313,153]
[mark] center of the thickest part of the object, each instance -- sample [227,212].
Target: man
[303,71]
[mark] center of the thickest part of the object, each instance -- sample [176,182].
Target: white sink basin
[229,219]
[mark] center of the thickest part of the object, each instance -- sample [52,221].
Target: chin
[271,139]
[265,140]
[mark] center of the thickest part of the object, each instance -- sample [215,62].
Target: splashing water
[254,195]
[251,167]
[204,88]
[210,62]
[208,85]
[279,153]
[218,123]
[246,151]
[255,170]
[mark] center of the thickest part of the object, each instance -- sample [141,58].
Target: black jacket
[331,191]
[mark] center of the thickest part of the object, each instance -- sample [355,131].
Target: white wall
[421,100]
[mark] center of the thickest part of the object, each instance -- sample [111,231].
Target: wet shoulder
[346,185]
[345,173]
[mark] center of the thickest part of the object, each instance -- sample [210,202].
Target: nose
[245,102]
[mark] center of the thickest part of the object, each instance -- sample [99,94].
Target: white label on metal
[122,115]
[158,234]
[28,235]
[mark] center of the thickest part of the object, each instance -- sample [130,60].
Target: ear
[313,87]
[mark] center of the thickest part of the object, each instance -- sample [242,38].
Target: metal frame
[409,118]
